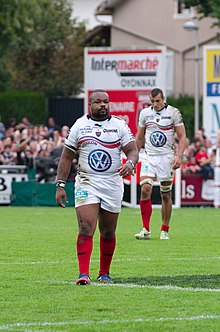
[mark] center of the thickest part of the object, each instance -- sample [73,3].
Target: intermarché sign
[127,75]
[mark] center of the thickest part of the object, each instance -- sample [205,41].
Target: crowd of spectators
[199,155]
[36,146]
[39,147]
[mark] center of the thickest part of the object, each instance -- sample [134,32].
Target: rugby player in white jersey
[99,139]
[157,126]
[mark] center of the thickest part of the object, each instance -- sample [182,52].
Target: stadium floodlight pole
[192,26]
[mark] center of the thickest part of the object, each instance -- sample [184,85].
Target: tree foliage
[41,47]
[186,105]
[206,8]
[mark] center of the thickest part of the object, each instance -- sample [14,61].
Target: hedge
[19,104]
[186,105]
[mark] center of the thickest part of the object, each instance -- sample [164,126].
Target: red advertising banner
[127,75]
[196,191]
[126,105]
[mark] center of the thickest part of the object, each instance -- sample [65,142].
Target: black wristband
[60,184]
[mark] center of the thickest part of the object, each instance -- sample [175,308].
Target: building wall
[148,23]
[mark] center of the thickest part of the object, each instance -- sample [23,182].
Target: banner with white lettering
[127,75]
[211,91]
[196,191]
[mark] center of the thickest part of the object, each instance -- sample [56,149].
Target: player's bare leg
[166,211]
[146,208]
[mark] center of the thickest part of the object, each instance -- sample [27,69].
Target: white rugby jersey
[99,143]
[160,129]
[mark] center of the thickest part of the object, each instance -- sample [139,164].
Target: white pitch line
[119,260]
[161,259]
[130,285]
[108,322]
[164,287]
[28,263]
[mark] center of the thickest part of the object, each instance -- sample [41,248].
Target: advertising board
[9,174]
[127,75]
[211,91]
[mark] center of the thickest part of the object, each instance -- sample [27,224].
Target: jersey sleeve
[141,121]
[127,135]
[71,139]
[177,117]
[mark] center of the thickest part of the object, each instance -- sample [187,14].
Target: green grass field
[158,285]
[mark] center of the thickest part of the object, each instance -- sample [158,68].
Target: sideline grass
[158,285]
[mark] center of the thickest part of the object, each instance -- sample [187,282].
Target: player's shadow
[211,281]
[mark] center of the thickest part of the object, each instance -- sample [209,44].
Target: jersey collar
[165,106]
[89,117]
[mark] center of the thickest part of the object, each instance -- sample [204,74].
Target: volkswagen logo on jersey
[99,160]
[158,139]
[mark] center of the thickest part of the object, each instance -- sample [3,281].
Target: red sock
[107,248]
[165,228]
[84,251]
[146,211]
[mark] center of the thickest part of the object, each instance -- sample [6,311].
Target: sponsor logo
[137,67]
[99,160]
[144,167]
[86,132]
[81,194]
[158,139]
[149,117]
[87,128]
[89,143]
[110,130]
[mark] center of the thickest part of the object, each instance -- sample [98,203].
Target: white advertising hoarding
[127,75]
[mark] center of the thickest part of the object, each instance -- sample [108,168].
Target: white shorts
[157,166]
[105,190]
